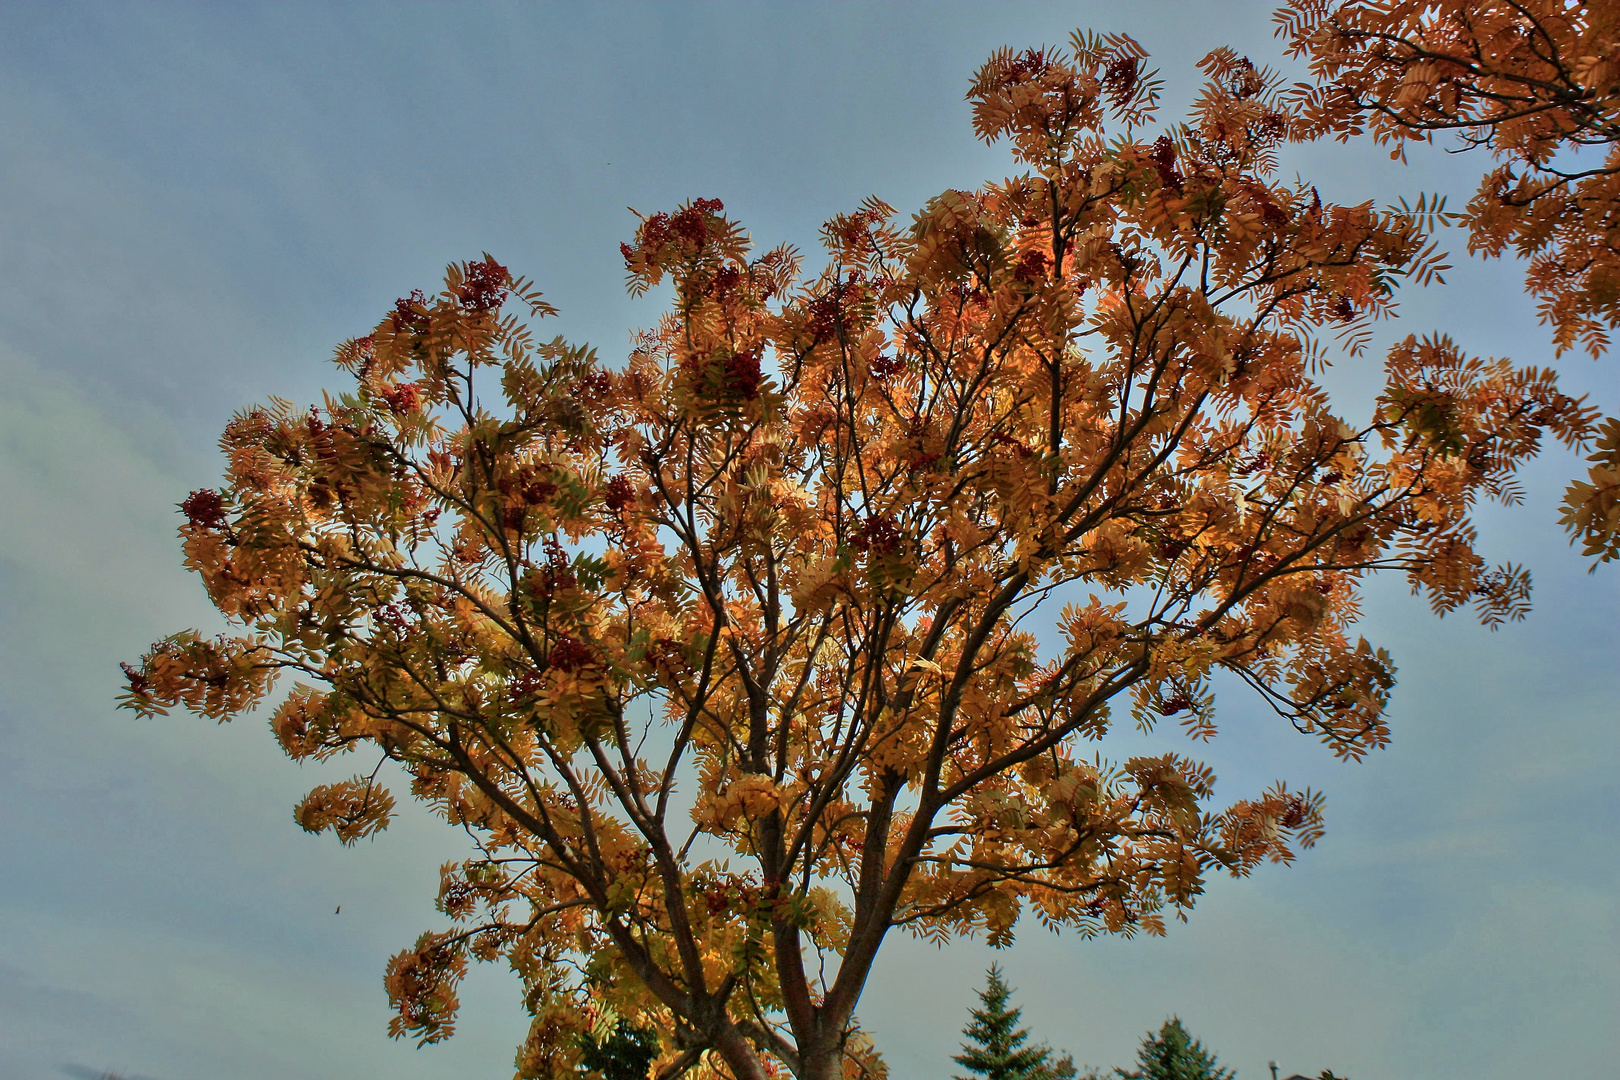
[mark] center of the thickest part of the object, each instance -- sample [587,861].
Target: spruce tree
[622,1054]
[1172,1054]
[996,1049]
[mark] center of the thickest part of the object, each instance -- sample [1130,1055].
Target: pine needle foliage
[1173,1054]
[626,1052]
[998,1049]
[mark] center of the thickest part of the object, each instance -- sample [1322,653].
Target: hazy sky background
[196,203]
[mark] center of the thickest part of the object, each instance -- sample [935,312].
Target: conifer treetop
[997,1049]
[1173,1054]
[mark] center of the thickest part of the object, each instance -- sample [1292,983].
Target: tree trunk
[824,1064]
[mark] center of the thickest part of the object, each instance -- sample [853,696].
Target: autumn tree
[803,624]
[1535,84]
[998,1049]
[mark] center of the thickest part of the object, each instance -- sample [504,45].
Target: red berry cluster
[1120,78]
[1164,162]
[204,509]
[878,534]
[1270,213]
[1293,815]
[1261,463]
[485,286]
[138,682]
[619,493]
[743,375]
[1031,266]
[402,398]
[408,313]
[532,491]
[1171,547]
[690,226]
[393,616]
[886,367]
[559,571]
[1031,63]
[855,230]
[825,313]
[725,282]
[1173,705]
[569,654]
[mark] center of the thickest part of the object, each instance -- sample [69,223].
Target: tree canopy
[730,656]
[1536,85]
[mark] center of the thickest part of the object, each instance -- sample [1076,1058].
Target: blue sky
[197,202]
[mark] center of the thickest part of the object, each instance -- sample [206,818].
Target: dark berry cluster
[410,313]
[204,509]
[1164,162]
[484,288]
